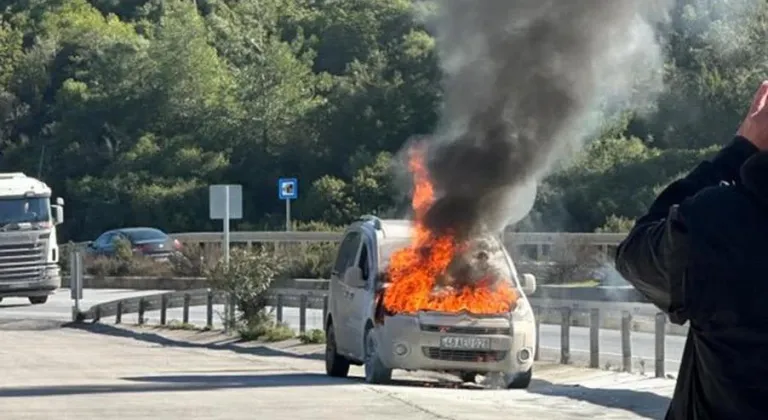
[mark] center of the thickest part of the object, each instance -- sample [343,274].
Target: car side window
[347,252]
[363,262]
[104,240]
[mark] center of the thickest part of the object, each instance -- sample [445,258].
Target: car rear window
[145,234]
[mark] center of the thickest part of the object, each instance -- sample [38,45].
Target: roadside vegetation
[247,279]
[156,100]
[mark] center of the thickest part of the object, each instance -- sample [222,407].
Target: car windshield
[484,256]
[139,235]
[24,210]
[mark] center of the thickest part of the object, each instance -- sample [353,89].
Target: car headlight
[522,309]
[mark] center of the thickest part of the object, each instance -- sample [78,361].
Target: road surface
[109,373]
[59,308]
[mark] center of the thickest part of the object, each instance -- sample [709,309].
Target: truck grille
[21,262]
[487,356]
[466,330]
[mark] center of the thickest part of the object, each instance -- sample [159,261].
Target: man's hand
[755,126]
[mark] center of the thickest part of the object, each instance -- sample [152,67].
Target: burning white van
[366,326]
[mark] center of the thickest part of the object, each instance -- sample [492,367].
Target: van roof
[396,228]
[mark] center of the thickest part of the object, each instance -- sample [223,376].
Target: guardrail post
[325,308]
[537,315]
[594,338]
[119,313]
[209,309]
[565,336]
[303,313]
[142,308]
[163,309]
[279,308]
[626,343]
[185,308]
[661,321]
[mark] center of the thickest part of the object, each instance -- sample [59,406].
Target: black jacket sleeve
[654,255]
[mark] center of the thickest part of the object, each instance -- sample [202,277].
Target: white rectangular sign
[218,203]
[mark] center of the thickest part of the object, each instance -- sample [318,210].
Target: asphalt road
[59,307]
[108,373]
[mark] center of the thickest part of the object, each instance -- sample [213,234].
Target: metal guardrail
[318,299]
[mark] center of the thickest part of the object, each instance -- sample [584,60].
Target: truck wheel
[519,380]
[38,300]
[336,365]
[375,371]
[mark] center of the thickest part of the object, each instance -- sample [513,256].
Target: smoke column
[526,82]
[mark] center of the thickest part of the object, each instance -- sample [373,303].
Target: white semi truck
[29,252]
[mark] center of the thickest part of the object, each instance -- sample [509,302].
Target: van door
[339,301]
[361,298]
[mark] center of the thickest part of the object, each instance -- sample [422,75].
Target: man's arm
[654,254]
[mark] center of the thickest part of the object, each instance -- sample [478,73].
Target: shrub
[134,266]
[195,260]
[616,224]
[574,261]
[314,336]
[247,279]
[311,260]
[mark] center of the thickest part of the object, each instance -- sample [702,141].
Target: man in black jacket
[701,256]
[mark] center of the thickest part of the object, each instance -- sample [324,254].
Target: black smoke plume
[525,82]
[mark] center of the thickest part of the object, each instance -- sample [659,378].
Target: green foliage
[130,109]
[615,224]
[246,278]
[308,261]
[263,327]
[313,336]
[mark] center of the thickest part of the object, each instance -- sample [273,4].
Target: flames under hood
[438,273]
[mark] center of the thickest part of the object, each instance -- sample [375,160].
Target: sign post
[287,189]
[225,203]
[76,281]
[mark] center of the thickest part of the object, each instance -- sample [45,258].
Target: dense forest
[129,109]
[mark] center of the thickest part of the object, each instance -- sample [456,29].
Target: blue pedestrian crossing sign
[287,188]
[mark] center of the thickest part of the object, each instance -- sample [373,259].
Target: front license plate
[465,343]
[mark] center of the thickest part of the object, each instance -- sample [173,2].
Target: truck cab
[29,251]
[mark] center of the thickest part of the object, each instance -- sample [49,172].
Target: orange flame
[414,270]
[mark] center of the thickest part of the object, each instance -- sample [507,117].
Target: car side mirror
[58,214]
[529,284]
[353,277]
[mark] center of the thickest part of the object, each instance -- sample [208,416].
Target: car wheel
[375,371]
[38,300]
[336,365]
[519,380]
[468,377]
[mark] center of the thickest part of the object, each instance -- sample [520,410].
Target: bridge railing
[531,245]
[318,299]
[535,245]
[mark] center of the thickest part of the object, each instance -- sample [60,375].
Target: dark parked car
[145,241]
